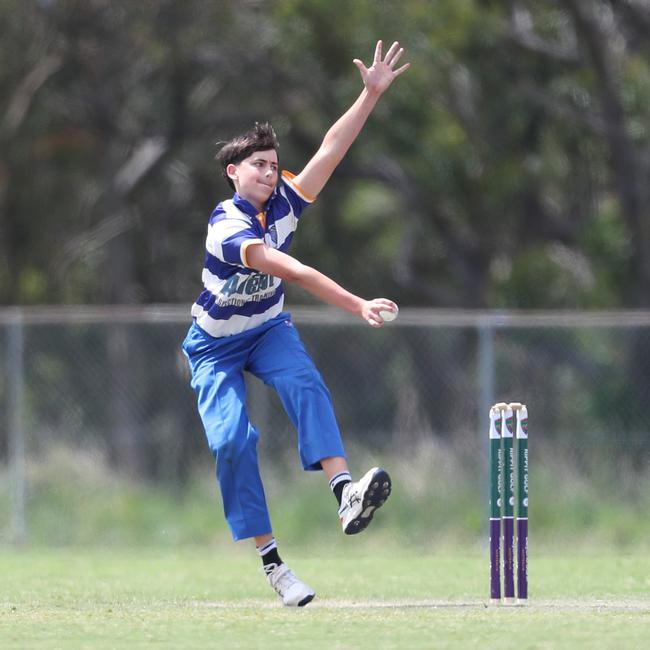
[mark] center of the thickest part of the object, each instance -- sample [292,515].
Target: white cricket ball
[389,315]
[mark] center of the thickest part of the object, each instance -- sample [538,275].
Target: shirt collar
[244,205]
[247,207]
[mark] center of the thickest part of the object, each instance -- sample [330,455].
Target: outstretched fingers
[399,71]
[362,68]
[393,54]
[381,73]
[378,47]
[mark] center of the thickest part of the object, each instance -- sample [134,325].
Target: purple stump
[508,559]
[495,559]
[522,558]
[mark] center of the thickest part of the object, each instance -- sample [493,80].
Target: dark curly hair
[260,138]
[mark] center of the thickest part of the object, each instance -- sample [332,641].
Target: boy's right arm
[376,80]
[273,262]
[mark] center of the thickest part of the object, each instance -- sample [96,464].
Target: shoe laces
[268,569]
[350,496]
[283,580]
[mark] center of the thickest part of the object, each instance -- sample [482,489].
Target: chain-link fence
[115,381]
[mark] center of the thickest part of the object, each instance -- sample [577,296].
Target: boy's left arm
[268,260]
[344,131]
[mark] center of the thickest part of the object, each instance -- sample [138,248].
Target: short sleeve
[298,199]
[229,236]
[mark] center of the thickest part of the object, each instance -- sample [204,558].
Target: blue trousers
[274,353]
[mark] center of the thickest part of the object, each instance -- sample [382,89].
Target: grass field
[116,564]
[216,597]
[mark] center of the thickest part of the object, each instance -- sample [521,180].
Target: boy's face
[255,177]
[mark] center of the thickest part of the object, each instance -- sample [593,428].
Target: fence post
[486,391]
[16,411]
[486,374]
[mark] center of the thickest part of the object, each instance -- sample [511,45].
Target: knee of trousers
[233,444]
[307,380]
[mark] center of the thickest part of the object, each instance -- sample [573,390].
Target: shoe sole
[306,600]
[376,493]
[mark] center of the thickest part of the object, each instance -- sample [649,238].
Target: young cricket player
[239,325]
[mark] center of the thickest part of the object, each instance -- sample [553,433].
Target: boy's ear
[231,171]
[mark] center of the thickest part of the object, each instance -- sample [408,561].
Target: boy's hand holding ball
[389,315]
[379,311]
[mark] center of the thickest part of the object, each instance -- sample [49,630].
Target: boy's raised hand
[380,74]
[344,131]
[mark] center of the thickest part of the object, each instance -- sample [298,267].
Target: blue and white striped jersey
[235,297]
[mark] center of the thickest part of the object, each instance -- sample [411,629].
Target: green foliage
[505,143]
[607,240]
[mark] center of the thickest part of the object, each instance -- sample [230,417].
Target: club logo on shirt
[271,237]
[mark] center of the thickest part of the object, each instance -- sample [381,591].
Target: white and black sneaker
[361,498]
[294,593]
